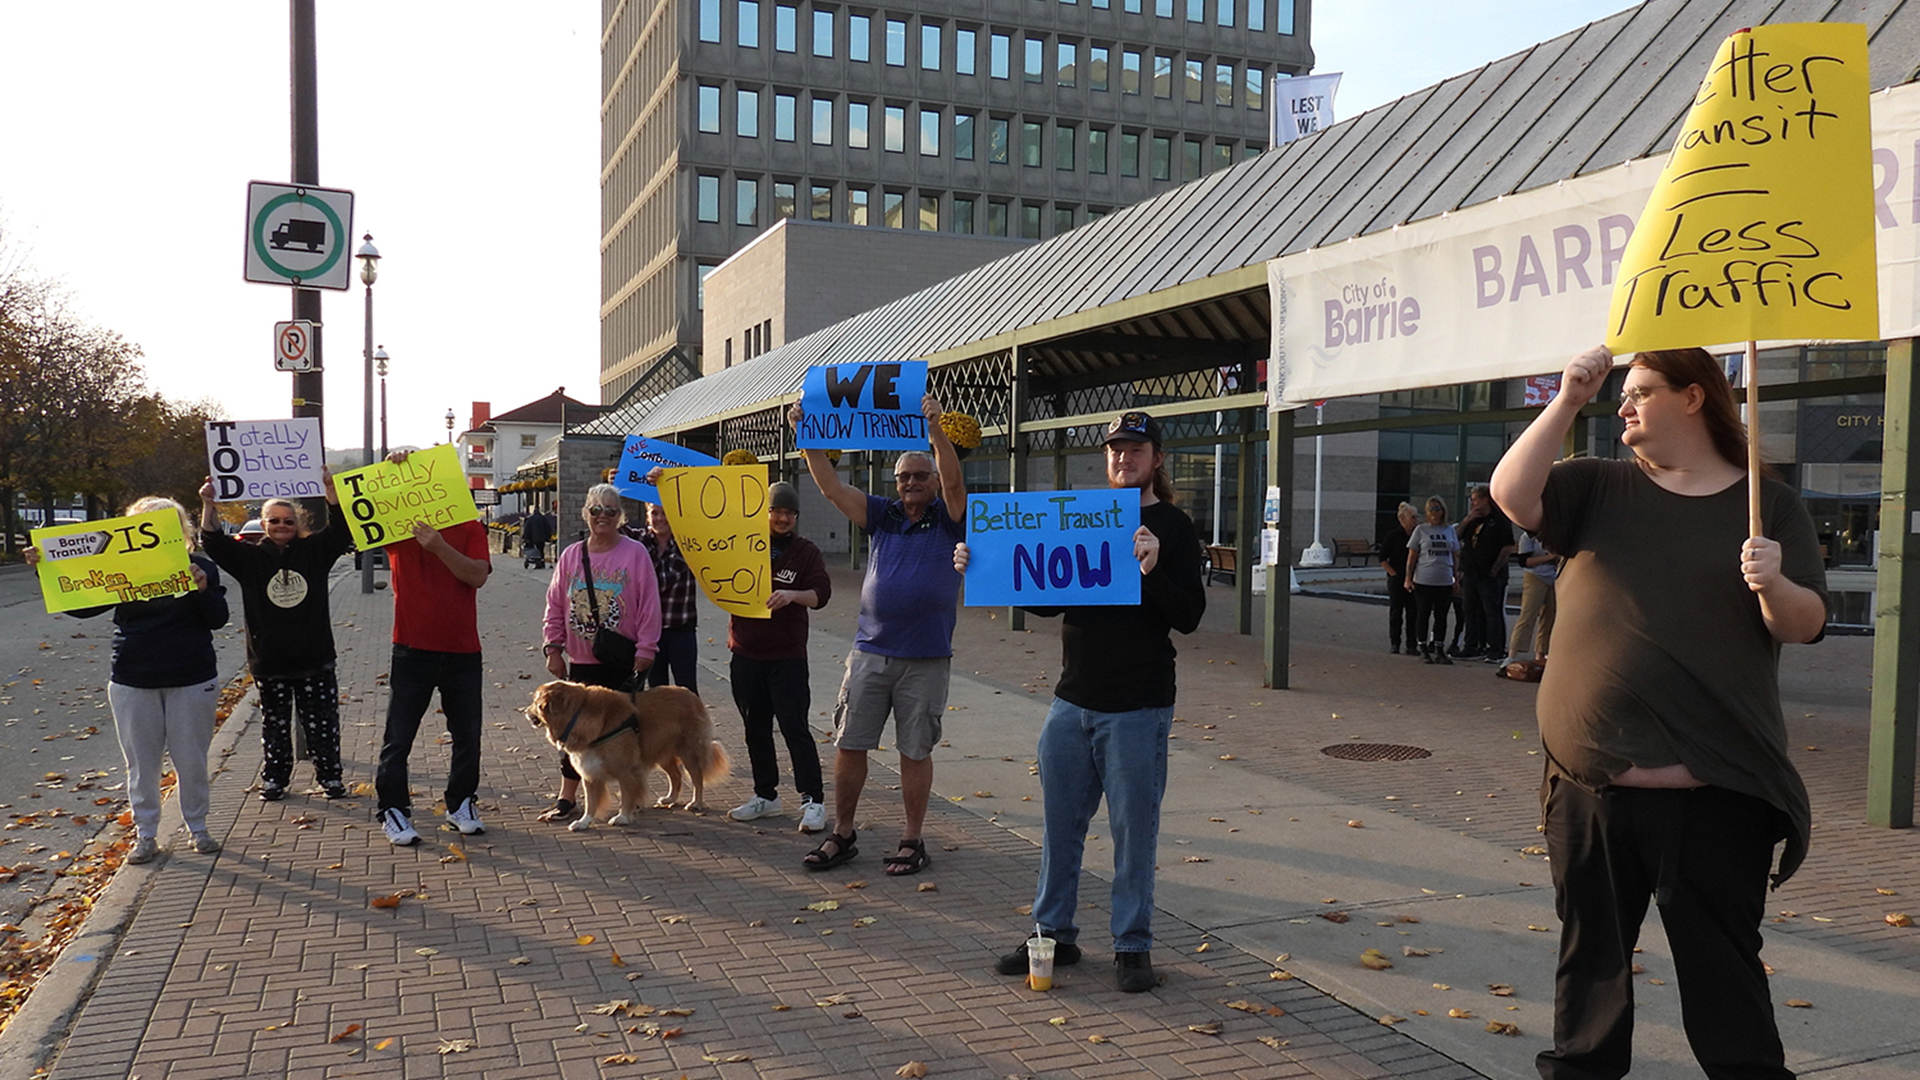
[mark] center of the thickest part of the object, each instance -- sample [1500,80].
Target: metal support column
[1017,453]
[1246,531]
[1896,640]
[1279,629]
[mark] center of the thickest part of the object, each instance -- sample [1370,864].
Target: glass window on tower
[822,203]
[746,120]
[857,206]
[1097,151]
[1030,144]
[1223,84]
[708,198]
[710,20]
[1194,81]
[784,118]
[859,38]
[962,215]
[930,132]
[822,32]
[857,123]
[896,131]
[822,121]
[1065,53]
[1162,75]
[966,44]
[929,213]
[1283,16]
[786,28]
[1065,136]
[746,195]
[1062,219]
[1223,12]
[782,199]
[963,125]
[1131,7]
[1030,221]
[1222,153]
[1256,95]
[749,29]
[1129,153]
[998,64]
[929,46]
[893,212]
[1129,71]
[1097,67]
[710,109]
[1163,8]
[1036,58]
[1256,14]
[996,219]
[896,43]
[999,137]
[1197,11]
[1162,158]
[1190,159]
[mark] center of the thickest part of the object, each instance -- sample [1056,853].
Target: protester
[283,590]
[1533,627]
[1393,560]
[769,670]
[1106,732]
[603,587]
[1486,547]
[678,653]
[1667,773]
[1430,577]
[163,688]
[437,575]
[903,644]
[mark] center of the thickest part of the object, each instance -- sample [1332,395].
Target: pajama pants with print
[317,694]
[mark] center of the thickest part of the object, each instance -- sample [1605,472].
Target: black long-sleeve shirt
[1118,659]
[284,593]
[167,641]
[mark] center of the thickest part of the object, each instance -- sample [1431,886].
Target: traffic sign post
[293,346]
[299,235]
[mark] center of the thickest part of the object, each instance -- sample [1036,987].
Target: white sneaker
[813,816]
[399,828]
[755,807]
[466,817]
[143,850]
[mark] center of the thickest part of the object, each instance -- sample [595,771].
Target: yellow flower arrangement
[740,457]
[962,430]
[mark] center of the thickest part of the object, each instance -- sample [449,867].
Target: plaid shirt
[676,581]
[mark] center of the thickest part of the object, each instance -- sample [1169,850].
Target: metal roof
[1614,90]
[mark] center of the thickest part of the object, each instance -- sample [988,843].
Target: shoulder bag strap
[593,600]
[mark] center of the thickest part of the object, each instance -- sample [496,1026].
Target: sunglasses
[281,521]
[920,475]
[603,511]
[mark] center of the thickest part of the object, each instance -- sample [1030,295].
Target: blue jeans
[1084,755]
[416,674]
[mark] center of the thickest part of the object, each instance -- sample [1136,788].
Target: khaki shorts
[913,690]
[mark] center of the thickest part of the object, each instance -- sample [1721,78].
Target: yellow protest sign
[112,561]
[1761,225]
[719,517]
[383,500]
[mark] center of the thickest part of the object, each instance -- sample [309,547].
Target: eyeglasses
[920,475]
[281,521]
[1637,395]
[603,511]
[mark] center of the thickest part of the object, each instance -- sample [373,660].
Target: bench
[1351,549]
[1221,559]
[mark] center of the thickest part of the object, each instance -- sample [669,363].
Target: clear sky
[470,135]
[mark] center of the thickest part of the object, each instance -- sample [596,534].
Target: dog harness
[632,724]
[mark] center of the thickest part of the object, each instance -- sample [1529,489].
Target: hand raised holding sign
[1585,374]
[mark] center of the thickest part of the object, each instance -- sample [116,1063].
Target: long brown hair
[1682,368]
[1162,483]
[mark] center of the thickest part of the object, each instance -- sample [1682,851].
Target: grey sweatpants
[176,721]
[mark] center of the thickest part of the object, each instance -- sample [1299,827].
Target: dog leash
[632,724]
[568,730]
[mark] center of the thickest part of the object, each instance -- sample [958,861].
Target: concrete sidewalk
[504,945]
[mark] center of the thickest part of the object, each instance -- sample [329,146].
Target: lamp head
[369,257]
[380,360]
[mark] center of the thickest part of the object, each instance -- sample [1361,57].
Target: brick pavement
[252,962]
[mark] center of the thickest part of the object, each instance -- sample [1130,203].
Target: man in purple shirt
[903,648]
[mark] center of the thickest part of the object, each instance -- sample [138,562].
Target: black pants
[770,690]
[1486,601]
[317,694]
[1400,608]
[605,675]
[1703,855]
[1431,602]
[415,675]
[676,656]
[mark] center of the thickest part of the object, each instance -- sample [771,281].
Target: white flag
[1303,105]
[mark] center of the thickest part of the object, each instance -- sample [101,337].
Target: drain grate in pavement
[1367,751]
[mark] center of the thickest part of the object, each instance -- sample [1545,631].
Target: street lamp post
[380,365]
[369,257]
[449,425]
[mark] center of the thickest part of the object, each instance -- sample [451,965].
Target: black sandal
[822,859]
[904,865]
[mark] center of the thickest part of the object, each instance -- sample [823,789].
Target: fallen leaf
[1335,916]
[383,1043]
[1058,1021]
[519,961]
[1198,858]
[1882,892]
[842,998]
[618,1059]
[612,1008]
[1280,976]
[1211,1027]
[911,1070]
[824,905]
[1537,928]
[865,920]
[1796,1003]
[856,884]
[1096,1038]
[1272,1041]
[1244,1006]
[426,952]
[1899,918]
[1638,970]
[1389,1019]
[1408,950]
[1375,960]
[615,957]
[730,1059]
[673,920]
[385,901]
[584,939]
[345,1033]
[1499,1027]
[1356,823]
[455,1046]
[1656,982]
[1499,989]
[983,794]
[1205,946]
[1442,986]
[1460,1014]
[781,1008]
[928,886]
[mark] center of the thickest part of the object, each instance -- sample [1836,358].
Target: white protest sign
[265,459]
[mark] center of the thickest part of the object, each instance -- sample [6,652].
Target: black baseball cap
[1133,427]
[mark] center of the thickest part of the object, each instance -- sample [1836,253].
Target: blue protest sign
[863,407]
[640,457]
[1052,548]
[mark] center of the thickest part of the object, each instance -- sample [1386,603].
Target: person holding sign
[1106,732]
[903,646]
[603,617]
[283,589]
[1667,775]
[437,575]
[163,689]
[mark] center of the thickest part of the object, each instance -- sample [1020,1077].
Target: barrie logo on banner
[1370,312]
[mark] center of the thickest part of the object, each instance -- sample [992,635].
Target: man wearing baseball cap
[769,671]
[1106,732]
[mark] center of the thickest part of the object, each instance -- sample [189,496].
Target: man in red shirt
[437,575]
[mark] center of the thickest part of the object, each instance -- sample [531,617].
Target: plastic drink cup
[1040,963]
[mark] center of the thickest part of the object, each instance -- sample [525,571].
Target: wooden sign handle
[1750,372]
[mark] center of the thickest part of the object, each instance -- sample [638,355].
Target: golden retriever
[613,736]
